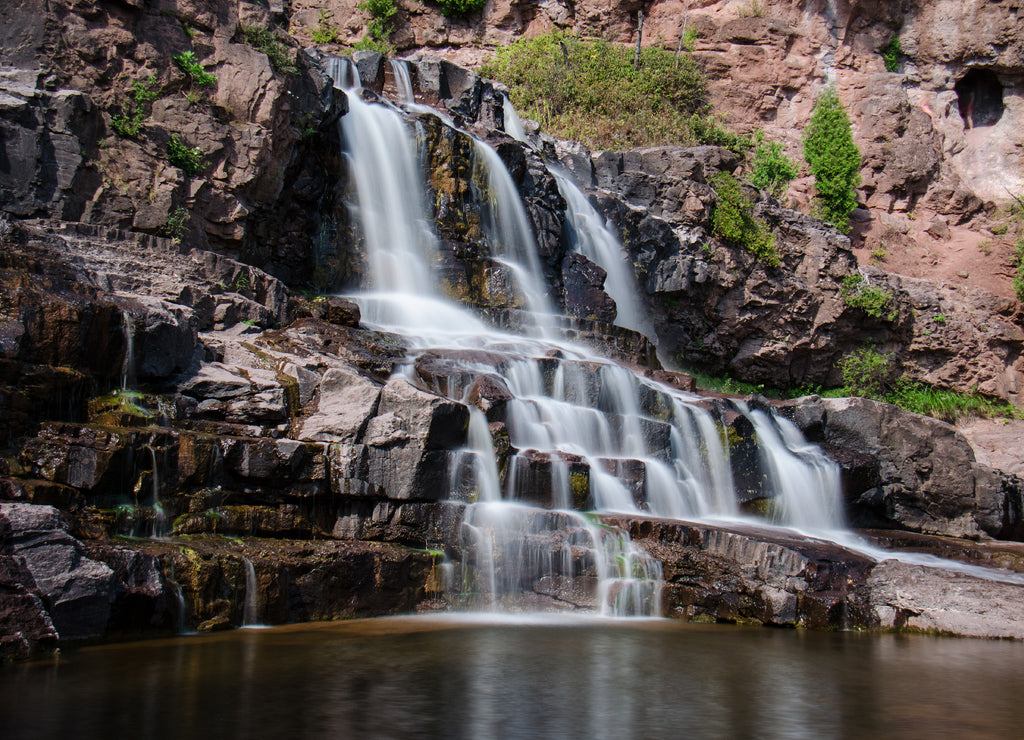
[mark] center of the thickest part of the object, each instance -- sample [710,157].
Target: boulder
[76,590]
[919,474]
[346,403]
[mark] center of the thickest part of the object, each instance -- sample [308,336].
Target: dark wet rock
[583,290]
[76,590]
[907,471]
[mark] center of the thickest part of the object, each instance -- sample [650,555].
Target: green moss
[579,485]
[265,40]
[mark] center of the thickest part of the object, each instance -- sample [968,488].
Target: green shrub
[265,40]
[589,91]
[872,300]
[177,222]
[733,220]
[772,169]
[891,55]
[381,25]
[198,76]
[834,160]
[188,158]
[460,8]
[326,32]
[869,373]
[128,123]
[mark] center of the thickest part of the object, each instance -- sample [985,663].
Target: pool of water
[476,678]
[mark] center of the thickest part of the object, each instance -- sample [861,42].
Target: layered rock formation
[190,443]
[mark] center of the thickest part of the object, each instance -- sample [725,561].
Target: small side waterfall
[251,608]
[510,236]
[513,124]
[128,364]
[804,481]
[591,237]
[159,528]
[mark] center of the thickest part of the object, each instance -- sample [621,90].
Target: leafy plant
[891,55]
[871,299]
[733,220]
[188,158]
[265,40]
[589,91]
[460,8]
[177,222]
[868,372]
[772,169]
[381,25]
[834,160]
[325,32]
[128,123]
[198,76]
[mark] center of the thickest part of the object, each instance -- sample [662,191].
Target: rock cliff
[189,441]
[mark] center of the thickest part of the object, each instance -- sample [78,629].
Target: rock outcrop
[189,443]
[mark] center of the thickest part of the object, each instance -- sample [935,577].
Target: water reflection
[417,678]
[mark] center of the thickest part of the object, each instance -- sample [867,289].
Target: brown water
[442,678]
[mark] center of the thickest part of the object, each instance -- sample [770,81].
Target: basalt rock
[906,471]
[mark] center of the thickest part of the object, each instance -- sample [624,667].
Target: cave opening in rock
[980,98]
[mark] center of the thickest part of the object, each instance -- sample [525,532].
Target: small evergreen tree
[834,160]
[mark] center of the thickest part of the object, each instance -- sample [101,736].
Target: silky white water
[583,432]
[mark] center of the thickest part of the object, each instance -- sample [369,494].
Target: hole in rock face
[980,98]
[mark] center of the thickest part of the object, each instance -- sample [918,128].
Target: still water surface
[466,678]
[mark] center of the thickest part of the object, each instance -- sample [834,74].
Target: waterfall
[804,481]
[159,526]
[513,124]
[128,364]
[251,608]
[510,236]
[581,432]
[590,236]
[403,81]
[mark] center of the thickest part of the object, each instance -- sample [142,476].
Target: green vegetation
[177,222]
[834,160]
[868,372]
[381,25]
[946,404]
[460,8]
[891,55]
[198,76]
[733,220]
[326,32]
[265,40]
[772,169]
[1018,278]
[589,91]
[128,123]
[872,300]
[188,158]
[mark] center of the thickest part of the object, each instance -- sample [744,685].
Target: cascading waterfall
[583,433]
[590,236]
[510,236]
